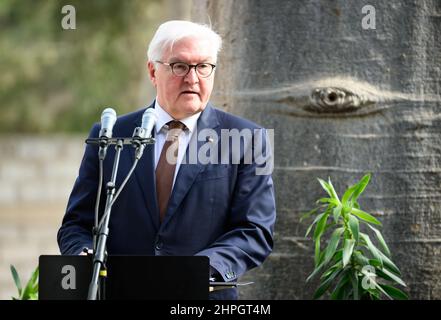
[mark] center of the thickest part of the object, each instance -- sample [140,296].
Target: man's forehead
[190,49]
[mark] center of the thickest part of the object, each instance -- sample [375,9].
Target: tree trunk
[344,100]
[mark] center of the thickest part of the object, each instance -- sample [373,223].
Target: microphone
[108,119]
[149,119]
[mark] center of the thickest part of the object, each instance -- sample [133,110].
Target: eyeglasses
[181,69]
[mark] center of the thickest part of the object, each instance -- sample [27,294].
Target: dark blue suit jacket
[223,211]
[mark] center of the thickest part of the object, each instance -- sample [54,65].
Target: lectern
[128,277]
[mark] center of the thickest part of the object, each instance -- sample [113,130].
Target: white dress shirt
[161,134]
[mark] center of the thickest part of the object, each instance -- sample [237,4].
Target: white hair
[172,31]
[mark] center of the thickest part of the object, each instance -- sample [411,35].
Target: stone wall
[36,177]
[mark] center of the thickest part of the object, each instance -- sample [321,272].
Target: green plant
[351,265]
[30,292]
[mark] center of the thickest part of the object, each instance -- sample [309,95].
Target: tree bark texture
[343,101]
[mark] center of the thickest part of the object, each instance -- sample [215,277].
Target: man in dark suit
[223,208]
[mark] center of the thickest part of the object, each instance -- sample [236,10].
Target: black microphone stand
[99,274]
[100,255]
[103,144]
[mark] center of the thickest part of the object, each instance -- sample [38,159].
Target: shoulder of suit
[228,120]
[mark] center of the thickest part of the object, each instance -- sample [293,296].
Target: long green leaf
[338,256]
[26,292]
[371,247]
[365,216]
[347,251]
[381,240]
[381,274]
[331,187]
[325,186]
[326,284]
[382,291]
[375,263]
[31,286]
[386,275]
[337,213]
[331,269]
[394,292]
[394,277]
[360,258]
[317,252]
[313,223]
[30,291]
[354,226]
[308,230]
[33,282]
[34,277]
[320,226]
[16,278]
[348,193]
[315,271]
[328,200]
[321,264]
[328,226]
[389,264]
[345,210]
[361,186]
[333,244]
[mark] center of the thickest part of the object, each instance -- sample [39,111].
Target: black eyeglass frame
[190,66]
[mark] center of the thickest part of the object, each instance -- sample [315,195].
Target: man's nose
[192,76]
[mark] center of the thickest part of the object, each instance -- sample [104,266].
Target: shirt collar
[164,117]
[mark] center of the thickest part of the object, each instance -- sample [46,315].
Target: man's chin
[192,108]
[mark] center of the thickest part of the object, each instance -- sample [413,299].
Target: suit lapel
[188,172]
[145,175]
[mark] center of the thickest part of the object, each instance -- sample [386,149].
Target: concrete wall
[36,176]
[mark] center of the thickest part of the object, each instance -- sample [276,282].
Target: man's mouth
[189,92]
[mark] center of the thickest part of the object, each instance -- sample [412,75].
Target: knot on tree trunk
[335,100]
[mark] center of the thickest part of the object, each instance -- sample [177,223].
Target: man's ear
[152,72]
